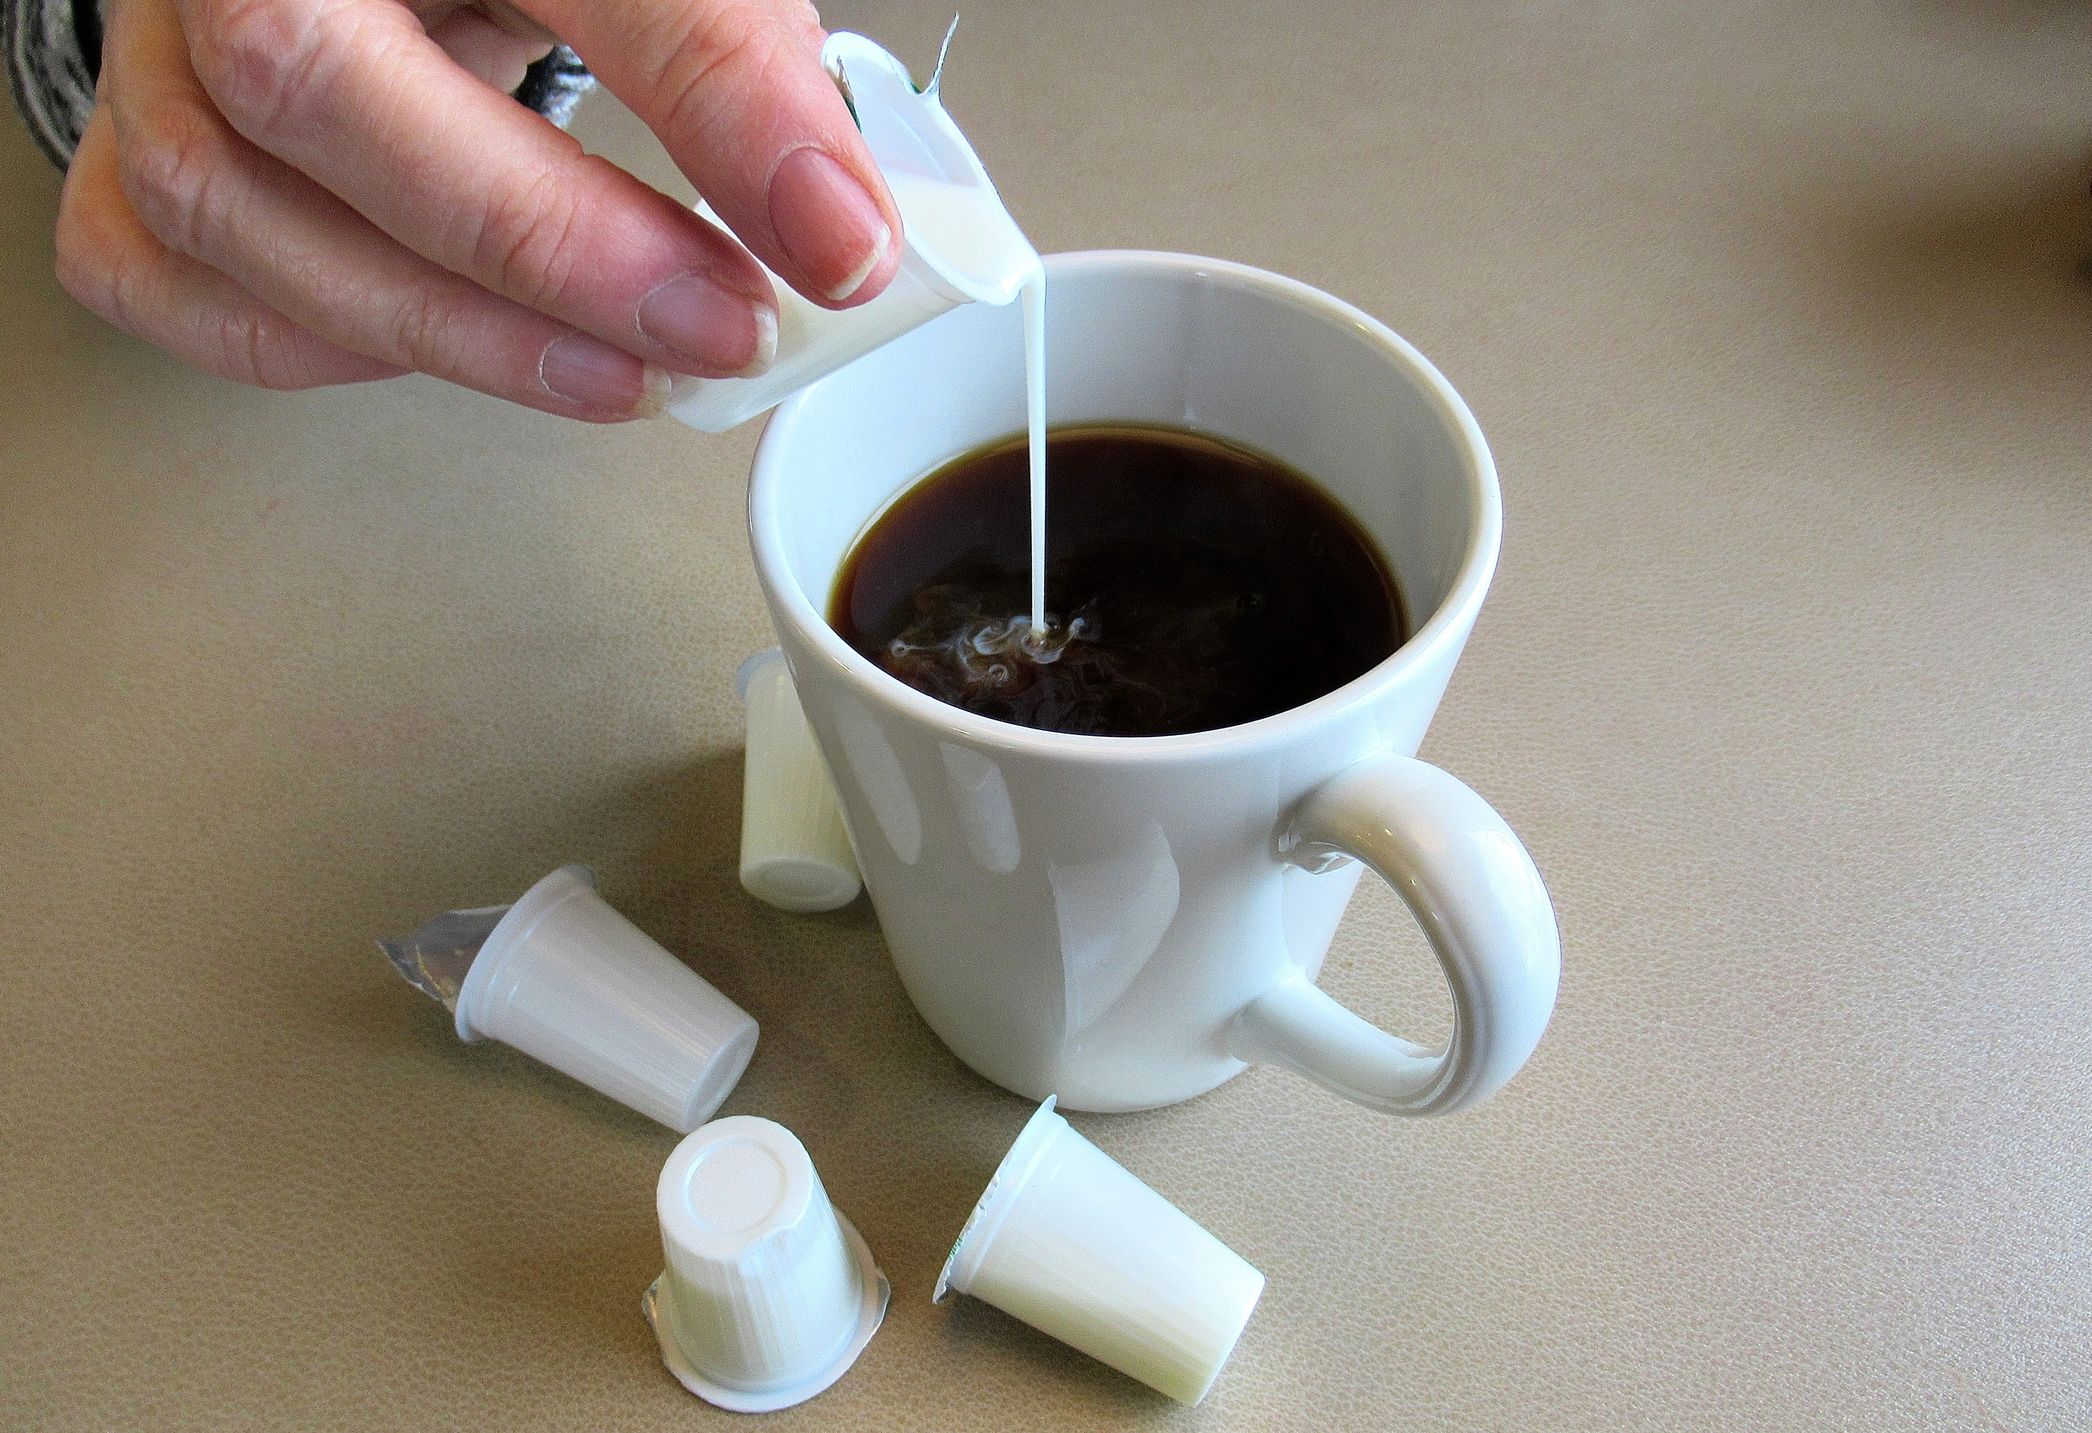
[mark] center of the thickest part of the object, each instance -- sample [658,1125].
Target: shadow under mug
[1127,922]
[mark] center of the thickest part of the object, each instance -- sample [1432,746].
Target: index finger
[355,95]
[736,92]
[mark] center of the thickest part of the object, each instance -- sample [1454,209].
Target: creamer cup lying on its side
[565,979]
[1067,1240]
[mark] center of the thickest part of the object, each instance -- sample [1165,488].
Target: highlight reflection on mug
[1112,913]
[981,800]
[871,762]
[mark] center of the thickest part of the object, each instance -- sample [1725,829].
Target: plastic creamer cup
[768,1294]
[1068,1241]
[958,244]
[569,981]
[795,854]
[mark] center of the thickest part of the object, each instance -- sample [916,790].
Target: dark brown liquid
[1190,584]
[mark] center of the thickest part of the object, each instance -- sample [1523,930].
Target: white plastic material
[768,1294]
[795,854]
[1068,1241]
[569,981]
[959,245]
[1102,918]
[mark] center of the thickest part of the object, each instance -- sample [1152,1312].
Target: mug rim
[1445,625]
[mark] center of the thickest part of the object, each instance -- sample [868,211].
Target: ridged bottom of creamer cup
[877,1293]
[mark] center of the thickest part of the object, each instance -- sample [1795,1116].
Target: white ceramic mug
[1127,921]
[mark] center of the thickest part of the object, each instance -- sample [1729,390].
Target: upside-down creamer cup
[768,1295]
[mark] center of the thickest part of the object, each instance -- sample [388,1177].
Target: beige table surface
[1779,318]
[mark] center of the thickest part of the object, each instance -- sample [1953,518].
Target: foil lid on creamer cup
[565,979]
[958,245]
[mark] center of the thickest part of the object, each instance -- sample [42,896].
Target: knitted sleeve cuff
[54,52]
[48,70]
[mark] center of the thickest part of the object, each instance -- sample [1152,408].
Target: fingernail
[833,229]
[716,330]
[584,370]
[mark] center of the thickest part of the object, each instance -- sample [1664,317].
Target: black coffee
[1191,584]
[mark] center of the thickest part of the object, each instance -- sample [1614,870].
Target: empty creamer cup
[795,854]
[768,1294]
[958,244]
[569,981]
[1068,1241]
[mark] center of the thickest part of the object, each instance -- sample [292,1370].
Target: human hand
[303,192]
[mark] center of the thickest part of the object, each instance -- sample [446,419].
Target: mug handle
[1470,884]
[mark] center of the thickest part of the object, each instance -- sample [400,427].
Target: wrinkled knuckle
[714,64]
[168,165]
[261,348]
[426,334]
[805,21]
[259,59]
[526,240]
[276,354]
[240,348]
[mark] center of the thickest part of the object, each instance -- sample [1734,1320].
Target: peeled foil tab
[562,977]
[434,958]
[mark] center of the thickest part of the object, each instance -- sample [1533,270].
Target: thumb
[736,92]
